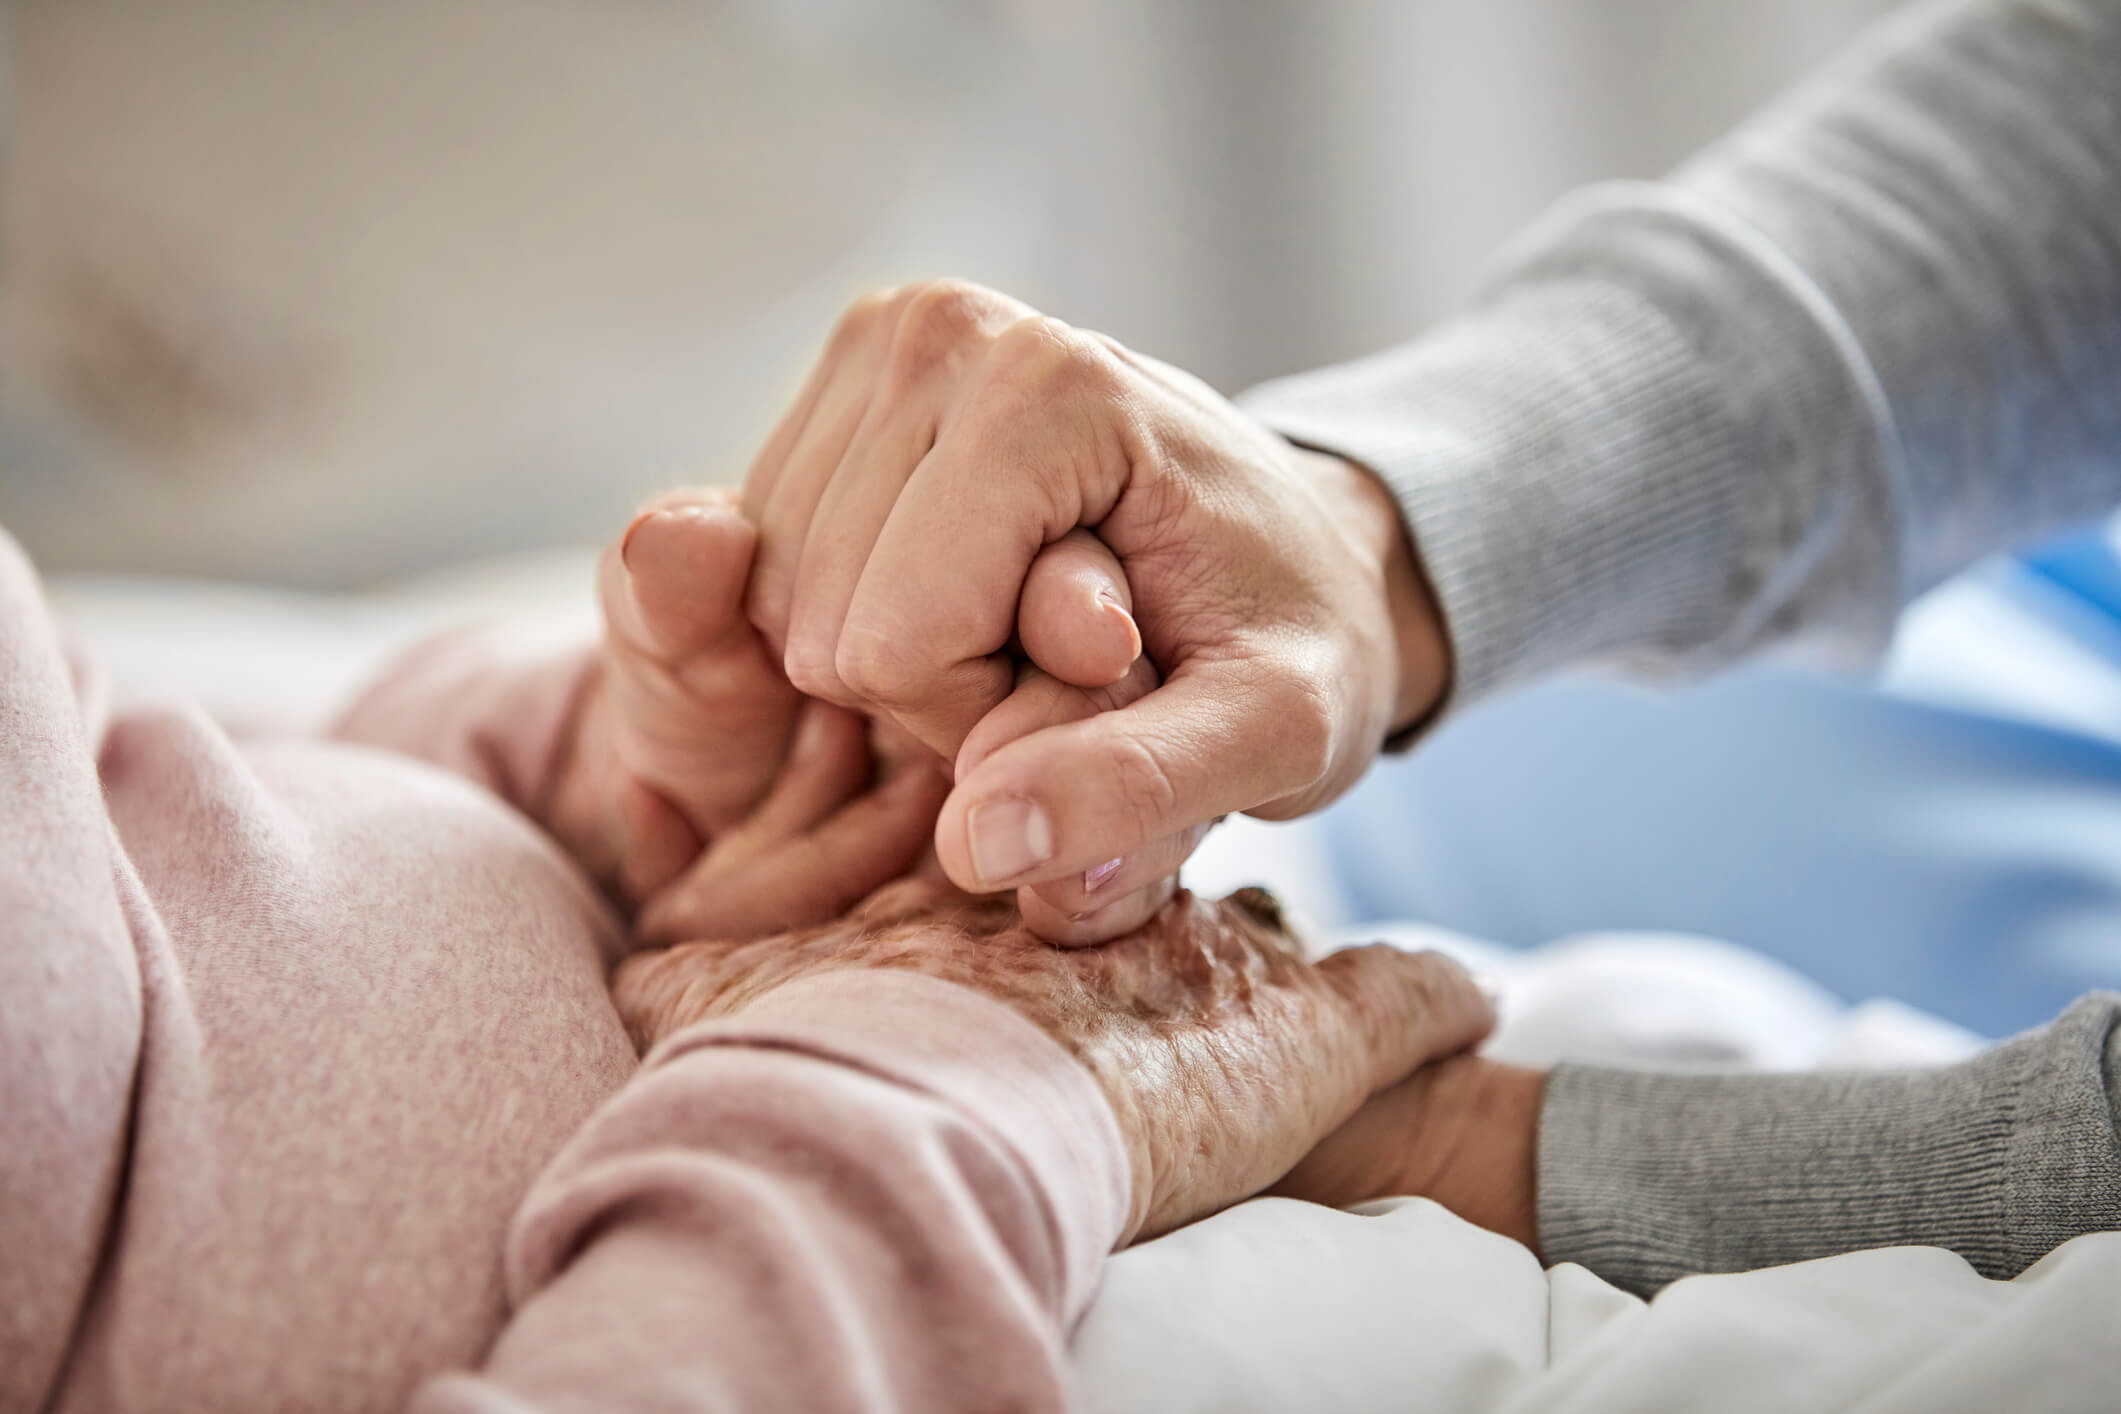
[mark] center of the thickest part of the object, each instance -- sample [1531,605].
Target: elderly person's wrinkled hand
[1225,1054]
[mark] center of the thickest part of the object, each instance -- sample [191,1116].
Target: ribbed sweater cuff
[1519,444]
[1653,444]
[1648,1177]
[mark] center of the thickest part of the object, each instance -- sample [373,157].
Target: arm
[497,706]
[1868,338]
[1871,336]
[1647,1176]
[70,995]
[868,1191]
[670,760]
[666,761]
[637,754]
[876,1165]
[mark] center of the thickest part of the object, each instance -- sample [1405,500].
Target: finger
[1040,701]
[1085,898]
[1030,458]
[701,713]
[1117,917]
[827,765]
[843,527]
[1111,898]
[848,331]
[786,510]
[674,582]
[1405,1008]
[1075,618]
[1068,798]
[656,841]
[810,878]
[940,327]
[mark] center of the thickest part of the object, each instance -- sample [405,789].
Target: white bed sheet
[1295,1309]
[1288,1308]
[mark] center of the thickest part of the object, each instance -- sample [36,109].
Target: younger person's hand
[947,438]
[1464,1132]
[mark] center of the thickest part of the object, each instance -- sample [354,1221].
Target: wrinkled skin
[1225,1054]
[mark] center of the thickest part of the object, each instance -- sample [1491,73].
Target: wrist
[1480,1147]
[1422,648]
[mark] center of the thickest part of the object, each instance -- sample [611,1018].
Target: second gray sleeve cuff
[1647,1177]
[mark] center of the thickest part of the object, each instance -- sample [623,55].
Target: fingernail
[626,542]
[1134,633]
[1009,836]
[1095,879]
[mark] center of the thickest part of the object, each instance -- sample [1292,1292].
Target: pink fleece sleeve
[70,1008]
[869,1191]
[493,703]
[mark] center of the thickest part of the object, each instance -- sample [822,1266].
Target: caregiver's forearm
[1646,1177]
[1870,337]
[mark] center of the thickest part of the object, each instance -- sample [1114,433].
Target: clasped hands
[1012,586]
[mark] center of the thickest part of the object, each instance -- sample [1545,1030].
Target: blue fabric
[2085,565]
[1962,861]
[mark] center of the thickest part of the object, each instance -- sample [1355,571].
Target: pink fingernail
[1009,836]
[1134,633]
[626,541]
[1095,879]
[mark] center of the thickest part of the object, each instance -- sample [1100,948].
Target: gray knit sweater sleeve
[1868,338]
[1871,336]
[1646,1177]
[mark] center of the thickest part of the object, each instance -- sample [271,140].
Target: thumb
[674,583]
[1075,616]
[1069,797]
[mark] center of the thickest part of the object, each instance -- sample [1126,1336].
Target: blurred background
[419,299]
[323,294]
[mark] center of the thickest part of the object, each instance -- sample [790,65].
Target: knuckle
[1443,981]
[811,668]
[1306,729]
[862,315]
[1426,979]
[1146,791]
[1369,985]
[873,667]
[938,322]
[1041,351]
